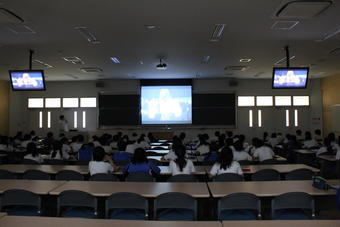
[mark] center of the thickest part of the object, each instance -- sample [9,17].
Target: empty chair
[300,174]
[103,177]
[183,178]
[266,175]
[33,174]
[139,177]
[126,206]
[73,203]
[228,177]
[29,162]
[21,203]
[4,174]
[239,206]
[269,162]
[69,175]
[293,206]
[175,206]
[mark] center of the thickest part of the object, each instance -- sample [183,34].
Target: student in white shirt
[131,147]
[262,152]
[141,143]
[309,141]
[176,142]
[27,140]
[58,152]
[203,147]
[101,162]
[239,153]
[299,136]
[33,153]
[77,143]
[337,149]
[181,165]
[273,140]
[326,148]
[317,135]
[225,164]
[66,149]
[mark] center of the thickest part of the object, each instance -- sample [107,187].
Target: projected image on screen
[166,105]
[290,78]
[27,80]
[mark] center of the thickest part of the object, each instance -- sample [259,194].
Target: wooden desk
[159,158]
[10,221]
[282,223]
[146,189]
[330,158]
[41,187]
[267,188]
[51,169]
[162,152]
[304,151]
[200,170]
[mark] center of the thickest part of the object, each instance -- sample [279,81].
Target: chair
[239,206]
[73,203]
[103,177]
[300,174]
[269,162]
[139,177]
[21,203]
[183,178]
[293,206]
[175,206]
[126,206]
[228,177]
[266,175]
[4,174]
[29,162]
[245,162]
[33,174]
[69,175]
[82,162]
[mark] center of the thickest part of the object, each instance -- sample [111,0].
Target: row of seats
[262,175]
[167,206]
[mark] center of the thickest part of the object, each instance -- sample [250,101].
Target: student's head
[121,145]
[32,149]
[265,135]
[242,138]
[98,154]
[202,139]
[230,134]
[258,143]
[141,138]
[308,135]
[273,135]
[331,136]
[80,138]
[229,142]
[182,136]
[50,135]
[317,132]
[327,142]
[27,137]
[238,145]
[139,156]
[214,147]
[32,133]
[226,157]
[180,160]
[217,134]
[298,132]
[115,138]
[61,117]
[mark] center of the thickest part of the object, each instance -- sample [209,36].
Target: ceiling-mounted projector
[161,65]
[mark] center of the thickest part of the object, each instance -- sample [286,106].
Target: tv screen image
[166,105]
[27,80]
[290,77]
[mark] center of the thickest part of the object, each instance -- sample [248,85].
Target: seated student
[221,140]
[114,143]
[66,149]
[27,140]
[265,137]
[175,143]
[105,144]
[309,141]
[130,147]
[57,152]
[49,140]
[332,138]
[216,136]
[33,153]
[239,153]
[121,155]
[77,143]
[141,142]
[299,136]
[86,152]
[181,165]
[203,147]
[212,156]
[4,144]
[262,152]
[225,164]
[95,141]
[101,163]
[317,135]
[182,136]
[326,147]
[140,163]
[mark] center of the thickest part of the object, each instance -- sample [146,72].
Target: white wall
[24,119]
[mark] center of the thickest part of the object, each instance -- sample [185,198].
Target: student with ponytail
[181,165]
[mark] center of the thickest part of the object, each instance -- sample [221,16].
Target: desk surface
[41,187]
[281,223]
[51,169]
[200,170]
[267,188]
[330,158]
[2,215]
[146,189]
[282,168]
[10,221]
[304,151]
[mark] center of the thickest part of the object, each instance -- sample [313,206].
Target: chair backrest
[228,177]
[139,177]
[16,197]
[4,174]
[82,163]
[245,162]
[293,200]
[29,162]
[75,198]
[69,175]
[300,174]
[183,178]
[268,162]
[266,175]
[239,201]
[103,177]
[33,174]
[126,200]
[175,200]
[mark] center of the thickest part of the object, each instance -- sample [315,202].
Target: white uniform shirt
[37,158]
[203,149]
[234,168]
[100,167]
[188,168]
[130,148]
[170,156]
[263,153]
[241,155]
[310,143]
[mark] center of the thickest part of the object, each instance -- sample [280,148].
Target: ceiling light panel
[284,25]
[42,63]
[19,29]
[74,60]
[303,9]
[90,37]
[245,60]
[115,60]
[91,70]
[205,59]
[217,33]
[283,60]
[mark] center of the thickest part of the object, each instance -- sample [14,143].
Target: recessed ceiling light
[150,26]
[245,60]
[42,63]
[217,33]
[90,37]
[115,60]
[74,60]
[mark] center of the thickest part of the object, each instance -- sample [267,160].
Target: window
[40,119]
[287,118]
[250,118]
[75,119]
[259,118]
[84,119]
[296,118]
[70,102]
[48,119]
[35,103]
[52,103]
[264,100]
[246,101]
[88,102]
[283,101]
[301,100]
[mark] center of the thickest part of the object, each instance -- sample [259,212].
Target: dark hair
[203,140]
[238,145]
[27,137]
[32,149]
[229,142]
[57,147]
[317,132]
[141,138]
[298,132]
[308,135]
[61,117]
[139,156]
[230,134]
[180,160]
[182,136]
[225,158]
[273,135]
[121,145]
[98,154]
[49,134]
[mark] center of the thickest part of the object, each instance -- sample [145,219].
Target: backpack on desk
[320,183]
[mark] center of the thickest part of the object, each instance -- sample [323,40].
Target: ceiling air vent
[236,68]
[21,29]
[284,25]
[91,70]
[303,9]
[74,60]
[8,17]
